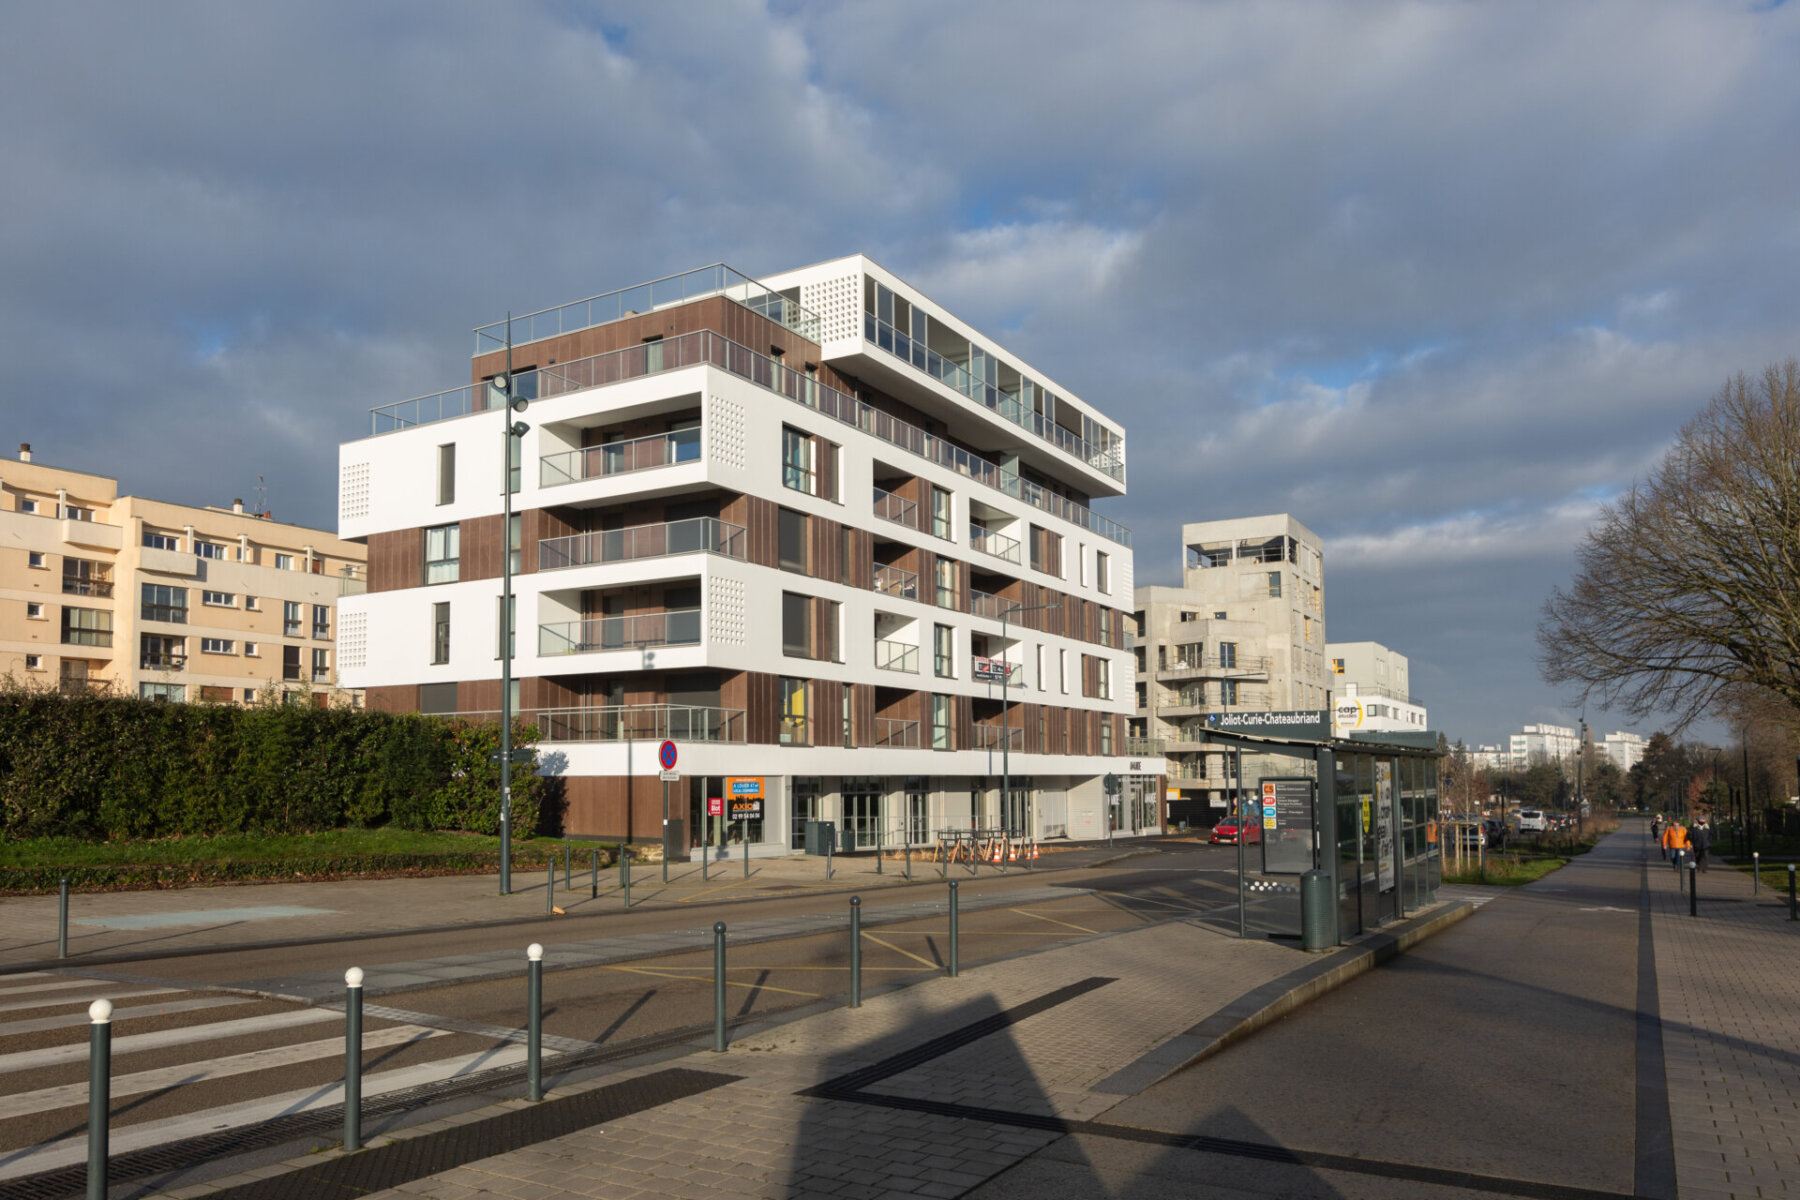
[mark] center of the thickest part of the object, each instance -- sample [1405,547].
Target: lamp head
[520,403]
[502,383]
[519,429]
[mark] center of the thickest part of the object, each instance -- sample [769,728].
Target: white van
[1532,820]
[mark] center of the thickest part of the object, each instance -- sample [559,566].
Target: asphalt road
[1504,1047]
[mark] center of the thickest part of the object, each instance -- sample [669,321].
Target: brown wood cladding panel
[480,548]
[762,708]
[862,714]
[482,695]
[396,698]
[625,807]
[396,560]
[825,458]
[962,722]
[826,553]
[549,692]
[759,517]
[825,617]
[862,559]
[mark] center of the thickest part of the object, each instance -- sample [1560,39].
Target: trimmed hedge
[105,768]
[152,876]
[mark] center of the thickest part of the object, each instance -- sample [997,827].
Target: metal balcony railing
[321,675]
[694,535]
[896,656]
[1211,665]
[896,733]
[986,604]
[1144,746]
[994,737]
[677,627]
[893,581]
[75,585]
[997,544]
[897,509]
[620,458]
[162,662]
[629,723]
[175,614]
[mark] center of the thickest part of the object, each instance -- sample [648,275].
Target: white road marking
[50,1056]
[60,985]
[182,1074]
[101,988]
[69,1020]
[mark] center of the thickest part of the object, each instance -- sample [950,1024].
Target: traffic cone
[1034,851]
[1012,853]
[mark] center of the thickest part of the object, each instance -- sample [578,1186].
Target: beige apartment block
[164,601]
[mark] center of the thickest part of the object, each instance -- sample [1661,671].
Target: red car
[1225,833]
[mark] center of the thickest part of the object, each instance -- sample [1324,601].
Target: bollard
[625,874]
[568,876]
[953,962]
[909,862]
[62,920]
[719,987]
[705,862]
[596,886]
[550,888]
[1755,873]
[878,848]
[534,1022]
[856,952]
[828,845]
[746,851]
[1793,901]
[353,985]
[99,1094]
[1693,890]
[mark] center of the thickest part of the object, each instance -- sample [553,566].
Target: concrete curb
[1273,1000]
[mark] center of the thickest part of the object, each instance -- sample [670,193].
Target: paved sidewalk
[109,925]
[1726,983]
[880,1101]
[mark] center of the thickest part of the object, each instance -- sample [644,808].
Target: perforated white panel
[839,305]
[725,611]
[725,428]
[353,641]
[353,491]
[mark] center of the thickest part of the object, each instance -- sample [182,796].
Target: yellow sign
[1368,818]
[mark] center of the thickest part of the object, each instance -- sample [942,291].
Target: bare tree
[1689,584]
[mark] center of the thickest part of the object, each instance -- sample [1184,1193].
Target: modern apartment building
[1543,744]
[1245,631]
[1370,690]
[164,601]
[828,539]
[1623,748]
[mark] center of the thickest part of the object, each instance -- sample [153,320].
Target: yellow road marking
[1053,920]
[897,950]
[763,987]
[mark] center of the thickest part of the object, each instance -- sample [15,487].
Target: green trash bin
[1315,911]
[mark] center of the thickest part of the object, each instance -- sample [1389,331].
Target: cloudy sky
[1436,278]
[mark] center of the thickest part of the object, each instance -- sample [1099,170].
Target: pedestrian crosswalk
[189,1064]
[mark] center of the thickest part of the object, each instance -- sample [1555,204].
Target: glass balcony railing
[996,544]
[620,458]
[993,737]
[706,347]
[893,581]
[678,627]
[695,535]
[896,656]
[1144,746]
[986,604]
[628,723]
[896,733]
[897,509]
[716,280]
[1109,461]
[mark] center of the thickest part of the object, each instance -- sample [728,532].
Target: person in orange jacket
[1675,840]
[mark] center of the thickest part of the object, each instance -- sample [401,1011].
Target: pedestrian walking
[1656,828]
[1674,840]
[1699,841]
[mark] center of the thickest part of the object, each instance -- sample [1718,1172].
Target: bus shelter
[1362,809]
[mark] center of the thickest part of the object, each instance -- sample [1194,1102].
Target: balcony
[986,604]
[73,585]
[677,627]
[996,737]
[162,662]
[897,734]
[696,535]
[1210,666]
[897,509]
[996,544]
[1142,747]
[706,347]
[630,723]
[716,280]
[620,458]
[892,581]
[896,656]
[99,638]
[174,614]
[995,670]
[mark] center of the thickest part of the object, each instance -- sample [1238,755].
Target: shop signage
[991,670]
[746,795]
[715,806]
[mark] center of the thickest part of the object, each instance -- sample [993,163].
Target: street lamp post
[1006,717]
[510,431]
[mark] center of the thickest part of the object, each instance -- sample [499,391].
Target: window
[77,514]
[943,651]
[446,492]
[1274,583]
[946,583]
[250,650]
[34,610]
[290,618]
[1219,616]
[1337,666]
[217,646]
[796,625]
[1106,741]
[212,550]
[34,662]
[284,562]
[159,653]
[218,599]
[250,604]
[215,695]
[321,616]
[161,541]
[35,558]
[1046,551]
[440,632]
[1063,669]
[321,666]
[1103,571]
[1081,563]
[27,506]
[1228,654]
[290,664]
[514,542]
[1042,679]
[437,697]
[162,692]
[443,552]
[940,512]
[940,722]
[249,695]
[1228,692]
[796,460]
[791,694]
[164,603]
[791,531]
[1103,678]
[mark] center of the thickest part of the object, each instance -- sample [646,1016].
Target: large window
[940,722]
[796,625]
[440,632]
[443,553]
[290,618]
[943,651]
[290,664]
[1228,654]
[1274,583]
[212,550]
[791,529]
[166,692]
[164,603]
[946,583]
[446,489]
[321,666]
[1228,692]
[940,513]
[791,695]
[796,461]
[159,653]
[161,541]
[321,616]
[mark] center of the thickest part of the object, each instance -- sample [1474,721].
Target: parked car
[1533,820]
[1225,833]
[1496,832]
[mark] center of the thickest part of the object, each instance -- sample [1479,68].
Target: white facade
[1372,690]
[749,429]
[1543,743]
[1623,748]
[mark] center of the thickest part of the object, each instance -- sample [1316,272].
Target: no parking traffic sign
[666,756]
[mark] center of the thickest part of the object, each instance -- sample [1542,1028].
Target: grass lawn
[247,847]
[1507,870]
